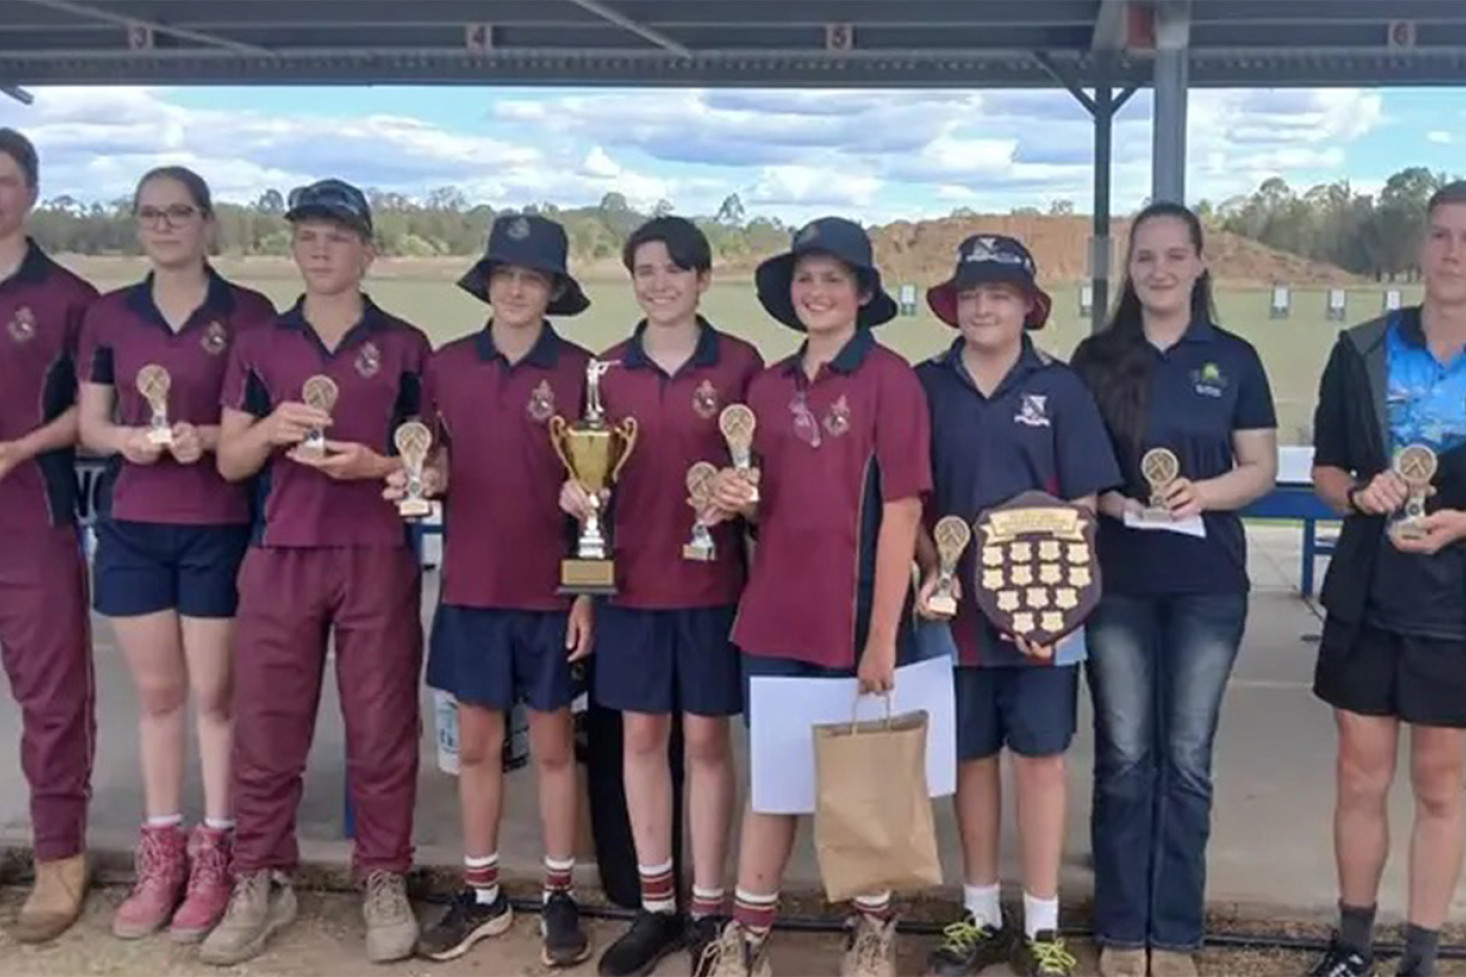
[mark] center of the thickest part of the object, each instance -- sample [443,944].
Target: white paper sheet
[784,712]
[1190,526]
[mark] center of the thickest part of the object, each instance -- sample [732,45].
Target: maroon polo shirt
[504,532]
[125,331]
[677,417]
[833,451]
[41,309]
[378,372]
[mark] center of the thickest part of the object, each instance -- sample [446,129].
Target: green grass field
[1294,349]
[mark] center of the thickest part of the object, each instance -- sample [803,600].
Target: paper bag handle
[855,706]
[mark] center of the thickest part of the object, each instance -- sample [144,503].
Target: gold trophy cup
[320,392]
[700,495]
[154,382]
[413,440]
[951,534]
[737,422]
[1160,467]
[593,451]
[1416,464]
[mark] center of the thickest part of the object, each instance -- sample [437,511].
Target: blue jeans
[1158,668]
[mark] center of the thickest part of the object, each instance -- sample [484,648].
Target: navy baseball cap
[528,241]
[334,200]
[985,259]
[841,239]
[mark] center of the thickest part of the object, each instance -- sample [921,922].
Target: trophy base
[160,436]
[941,606]
[414,508]
[1407,529]
[581,576]
[702,554]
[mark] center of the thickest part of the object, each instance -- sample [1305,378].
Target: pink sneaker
[209,883]
[162,871]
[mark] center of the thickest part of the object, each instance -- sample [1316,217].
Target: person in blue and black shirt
[1394,639]
[1006,419]
[1167,630]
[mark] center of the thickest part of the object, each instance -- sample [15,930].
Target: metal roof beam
[1109,26]
[183,33]
[19,94]
[656,37]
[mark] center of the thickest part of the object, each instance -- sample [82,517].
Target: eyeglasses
[172,215]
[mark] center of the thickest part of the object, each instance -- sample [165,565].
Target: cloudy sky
[792,154]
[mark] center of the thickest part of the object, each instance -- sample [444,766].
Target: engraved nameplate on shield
[320,392]
[1416,464]
[1159,467]
[154,382]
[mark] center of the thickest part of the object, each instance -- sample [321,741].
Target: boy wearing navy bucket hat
[842,441]
[1006,418]
[501,633]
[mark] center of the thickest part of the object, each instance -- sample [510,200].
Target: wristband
[1349,497]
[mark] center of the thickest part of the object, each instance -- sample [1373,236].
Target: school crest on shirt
[705,400]
[541,406]
[1209,380]
[1033,410]
[368,360]
[215,339]
[22,327]
[837,418]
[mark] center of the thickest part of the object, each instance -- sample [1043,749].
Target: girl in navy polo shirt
[171,535]
[845,461]
[1167,630]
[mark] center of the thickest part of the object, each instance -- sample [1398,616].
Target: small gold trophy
[413,440]
[320,392]
[593,451]
[951,534]
[699,495]
[1416,464]
[737,422]
[154,382]
[1160,467]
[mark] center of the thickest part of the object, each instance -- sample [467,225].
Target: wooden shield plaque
[1036,574]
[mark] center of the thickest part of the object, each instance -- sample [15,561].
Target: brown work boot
[391,927]
[55,902]
[1118,962]
[262,903]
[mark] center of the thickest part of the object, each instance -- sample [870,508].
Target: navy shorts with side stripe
[657,661]
[493,658]
[145,567]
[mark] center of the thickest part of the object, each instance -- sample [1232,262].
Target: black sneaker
[652,936]
[967,948]
[1343,961]
[464,924]
[701,934]
[563,942]
[1043,956]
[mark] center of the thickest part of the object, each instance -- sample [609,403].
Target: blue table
[1297,501]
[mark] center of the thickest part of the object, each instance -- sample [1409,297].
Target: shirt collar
[544,354]
[34,268]
[218,301]
[1410,324]
[850,358]
[705,355]
[1030,360]
[373,319]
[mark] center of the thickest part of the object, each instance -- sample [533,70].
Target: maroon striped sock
[559,875]
[755,912]
[658,888]
[707,902]
[482,876]
[877,907]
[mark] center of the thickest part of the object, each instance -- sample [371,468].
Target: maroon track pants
[45,641]
[289,601]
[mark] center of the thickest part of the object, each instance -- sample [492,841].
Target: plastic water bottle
[445,712]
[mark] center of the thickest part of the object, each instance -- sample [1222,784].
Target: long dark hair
[1116,362]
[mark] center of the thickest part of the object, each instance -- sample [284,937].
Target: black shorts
[1366,670]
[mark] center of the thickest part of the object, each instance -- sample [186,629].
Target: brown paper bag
[873,825]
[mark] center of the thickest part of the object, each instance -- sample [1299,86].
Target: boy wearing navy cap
[1006,418]
[329,557]
[501,632]
[843,440]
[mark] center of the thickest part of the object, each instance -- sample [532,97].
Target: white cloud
[1440,137]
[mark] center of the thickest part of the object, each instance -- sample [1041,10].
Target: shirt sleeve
[1255,410]
[431,415]
[903,437]
[1082,445]
[1331,415]
[244,389]
[94,363]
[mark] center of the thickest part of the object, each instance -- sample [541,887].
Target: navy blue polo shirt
[1206,387]
[1040,429]
[1412,593]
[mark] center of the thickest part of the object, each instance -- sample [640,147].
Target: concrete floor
[1270,850]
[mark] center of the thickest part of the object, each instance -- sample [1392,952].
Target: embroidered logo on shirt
[1209,380]
[518,229]
[837,420]
[806,428]
[705,400]
[1033,410]
[23,325]
[369,360]
[214,340]
[541,406]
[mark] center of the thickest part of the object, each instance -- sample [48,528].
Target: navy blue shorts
[1030,710]
[495,658]
[145,567]
[659,661]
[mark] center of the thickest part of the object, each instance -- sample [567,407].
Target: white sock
[166,821]
[219,824]
[1040,915]
[983,902]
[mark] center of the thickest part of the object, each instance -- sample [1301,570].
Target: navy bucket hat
[334,200]
[986,259]
[528,241]
[838,238]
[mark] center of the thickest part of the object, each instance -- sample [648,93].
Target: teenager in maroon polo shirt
[501,631]
[44,634]
[171,534]
[329,557]
[662,642]
[843,438]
